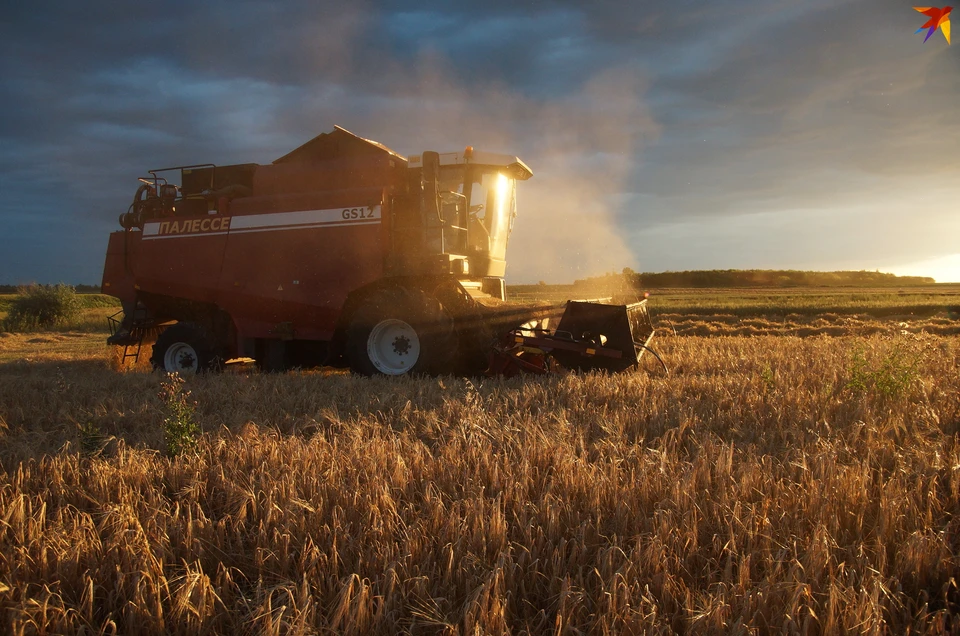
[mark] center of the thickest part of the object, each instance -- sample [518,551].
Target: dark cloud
[745,133]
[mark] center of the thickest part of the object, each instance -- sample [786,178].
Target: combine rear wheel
[184,348]
[399,331]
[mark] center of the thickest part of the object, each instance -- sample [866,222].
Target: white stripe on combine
[303,227]
[147,237]
[305,217]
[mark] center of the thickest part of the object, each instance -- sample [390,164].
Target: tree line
[754,278]
[80,289]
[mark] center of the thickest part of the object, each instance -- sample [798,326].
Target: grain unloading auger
[343,252]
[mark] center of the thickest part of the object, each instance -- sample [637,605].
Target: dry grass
[804,326]
[919,301]
[50,345]
[769,484]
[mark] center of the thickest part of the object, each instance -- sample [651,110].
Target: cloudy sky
[663,135]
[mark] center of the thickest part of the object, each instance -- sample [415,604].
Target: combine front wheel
[393,346]
[399,331]
[183,348]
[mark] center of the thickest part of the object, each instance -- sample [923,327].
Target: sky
[663,135]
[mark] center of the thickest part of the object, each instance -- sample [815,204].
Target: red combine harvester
[345,253]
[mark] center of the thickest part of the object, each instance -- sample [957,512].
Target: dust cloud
[568,226]
[582,147]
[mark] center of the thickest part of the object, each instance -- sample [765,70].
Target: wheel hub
[393,347]
[401,345]
[181,357]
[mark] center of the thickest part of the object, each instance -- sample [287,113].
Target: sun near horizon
[943,269]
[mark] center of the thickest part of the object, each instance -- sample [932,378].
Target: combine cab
[343,252]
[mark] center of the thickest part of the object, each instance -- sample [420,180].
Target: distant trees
[80,289]
[755,278]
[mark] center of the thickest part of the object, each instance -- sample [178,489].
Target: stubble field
[770,483]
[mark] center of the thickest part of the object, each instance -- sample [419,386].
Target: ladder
[140,327]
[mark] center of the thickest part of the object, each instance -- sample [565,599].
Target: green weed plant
[891,372]
[181,431]
[41,307]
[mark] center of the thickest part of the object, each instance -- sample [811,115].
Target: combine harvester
[345,253]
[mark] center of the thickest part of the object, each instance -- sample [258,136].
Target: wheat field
[768,484]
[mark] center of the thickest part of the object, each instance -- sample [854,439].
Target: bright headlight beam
[503,189]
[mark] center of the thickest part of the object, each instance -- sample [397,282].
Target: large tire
[184,348]
[399,332]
